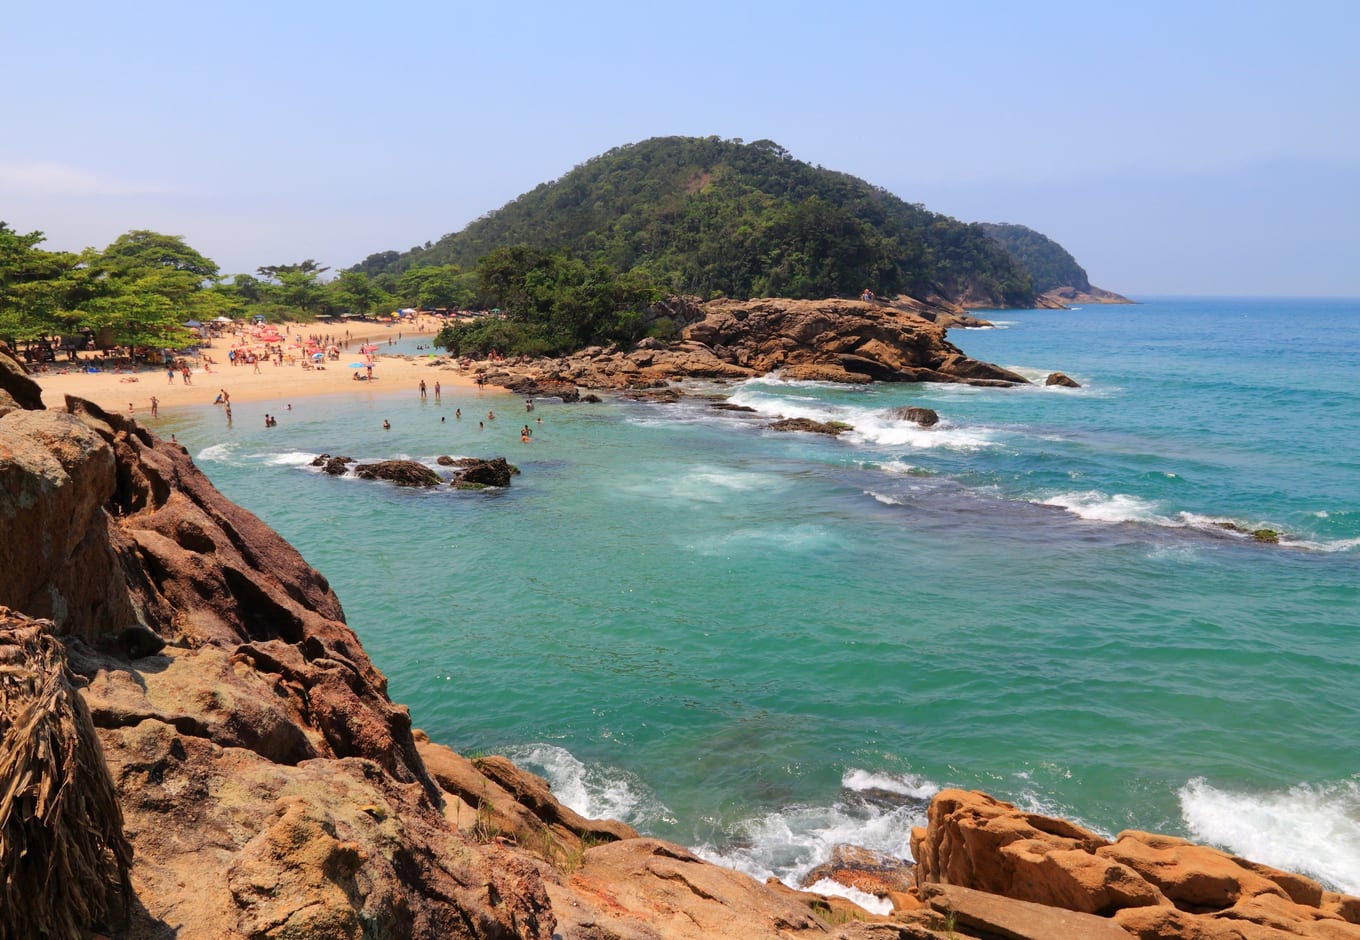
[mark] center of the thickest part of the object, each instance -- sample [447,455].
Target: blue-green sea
[762,644]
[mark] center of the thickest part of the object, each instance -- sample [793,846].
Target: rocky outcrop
[1061,297]
[192,691]
[478,473]
[925,417]
[848,341]
[807,424]
[400,472]
[1152,886]
[1062,379]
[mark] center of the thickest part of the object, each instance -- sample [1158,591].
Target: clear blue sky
[1173,148]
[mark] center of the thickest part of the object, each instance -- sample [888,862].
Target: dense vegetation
[1049,264]
[722,218]
[149,292]
[552,303]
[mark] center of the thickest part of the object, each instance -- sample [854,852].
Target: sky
[1186,148]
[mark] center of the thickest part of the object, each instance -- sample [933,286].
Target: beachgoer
[170,373]
[491,416]
[458,413]
[422,389]
[386,426]
[436,391]
[155,406]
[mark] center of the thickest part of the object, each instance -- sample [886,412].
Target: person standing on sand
[184,374]
[155,407]
[170,373]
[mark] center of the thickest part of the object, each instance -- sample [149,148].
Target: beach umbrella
[192,323]
[224,320]
[356,365]
[318,355]
[369,348]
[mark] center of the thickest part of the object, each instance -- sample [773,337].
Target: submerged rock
[1061,379]
[807,424]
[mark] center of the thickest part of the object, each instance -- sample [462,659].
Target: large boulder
[400,472]
[925,417]
[478,473]
[1154,886]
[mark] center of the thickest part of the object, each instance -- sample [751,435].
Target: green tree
[356,292]
[38,288]
[140,249]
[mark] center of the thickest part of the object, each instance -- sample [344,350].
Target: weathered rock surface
[400,472]
[809,425]
[478,473]
[270,789]
[1061,379]
[925,417]
[1153,886]
[848,341]
[334,466]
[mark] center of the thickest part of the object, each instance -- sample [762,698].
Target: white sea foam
[886,499]
[834,889]
[1311,829]
[594,792]
[876,427]
[1102,507]
[909,785]
[217,453]
[789,843]
[292,458]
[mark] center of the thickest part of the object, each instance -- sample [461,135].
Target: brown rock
[478,473]
[807,424]
[1194,877]
[925,417]
[997,916]
[19,389]
[400,472]
[1059,378]
[864,870]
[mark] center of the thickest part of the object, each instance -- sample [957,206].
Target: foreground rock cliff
[193,743]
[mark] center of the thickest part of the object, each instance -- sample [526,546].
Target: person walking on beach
[184,374]
[170,373]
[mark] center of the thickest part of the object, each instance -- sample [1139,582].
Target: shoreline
[130,393]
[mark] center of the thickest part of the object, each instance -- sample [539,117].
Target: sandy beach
[132,391]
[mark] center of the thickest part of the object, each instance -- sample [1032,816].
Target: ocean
[762,644]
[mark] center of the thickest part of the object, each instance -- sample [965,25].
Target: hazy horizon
[1198,150]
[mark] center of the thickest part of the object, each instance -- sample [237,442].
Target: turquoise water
[762,644]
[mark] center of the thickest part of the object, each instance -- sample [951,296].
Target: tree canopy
[1048,263]
[713,217]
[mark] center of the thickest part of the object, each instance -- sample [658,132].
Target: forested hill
[1049,264]
[716,217]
